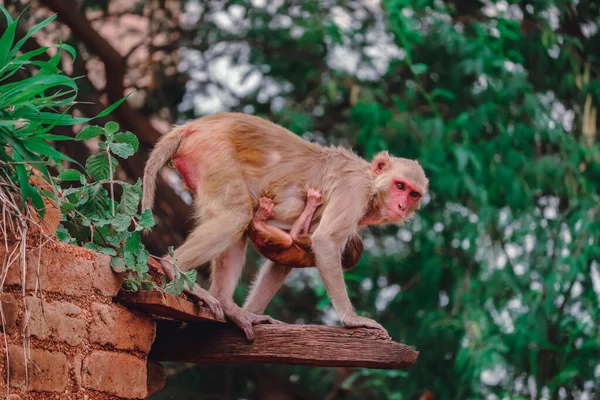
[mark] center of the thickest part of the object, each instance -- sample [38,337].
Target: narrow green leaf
[6,41]
[23,178]
[39,146]
[6,14]
[37,201]
[110,109]
[30,33]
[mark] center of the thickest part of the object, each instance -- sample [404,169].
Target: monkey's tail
[163,151]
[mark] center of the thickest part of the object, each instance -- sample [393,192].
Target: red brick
[60,321]
[76,366]
[10,307]
[70,270]
[49,374]
[118,374]
[116,326]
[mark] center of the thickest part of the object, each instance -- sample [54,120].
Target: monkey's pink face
[405,198]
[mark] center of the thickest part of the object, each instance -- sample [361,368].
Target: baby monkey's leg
[302,224]
[268,234]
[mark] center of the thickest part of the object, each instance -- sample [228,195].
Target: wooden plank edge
[166,305]
[314,345]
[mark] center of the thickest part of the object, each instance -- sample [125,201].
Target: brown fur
[300,254]
[294,249]
[235,158]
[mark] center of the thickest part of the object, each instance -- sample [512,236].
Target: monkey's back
[217,149]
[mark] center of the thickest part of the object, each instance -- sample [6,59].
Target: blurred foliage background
[497,281]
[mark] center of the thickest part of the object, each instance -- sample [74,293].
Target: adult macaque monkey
[228,159]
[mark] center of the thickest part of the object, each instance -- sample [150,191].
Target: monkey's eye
[415,195]
[400,185]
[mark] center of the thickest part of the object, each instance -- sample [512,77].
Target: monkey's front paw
[245,320]
[356,321]
[314,197]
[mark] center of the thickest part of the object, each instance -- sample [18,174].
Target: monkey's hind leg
[269,279]
[225,208]
[206,242]
[226,271]
[197,293]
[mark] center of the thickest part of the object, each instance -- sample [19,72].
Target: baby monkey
[294,249]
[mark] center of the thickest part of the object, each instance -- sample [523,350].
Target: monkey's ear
[380,163]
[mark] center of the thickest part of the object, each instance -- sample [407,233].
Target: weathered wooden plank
[166,305]
[280,344]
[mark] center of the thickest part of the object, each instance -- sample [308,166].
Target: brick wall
[82,344]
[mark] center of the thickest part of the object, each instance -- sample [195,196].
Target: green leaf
[30,33]
[63,234]
[179,282]
[69,175]
[133,242]
[462,156]
[129,138]
[130,201]
[36,145]
[67,206]
[117,264]
[37,201]
[89,132]
[123,150]
[446,94]
[190,278]
[100,249]
[111,108]
[6,41]
[94,201]
[419,69]
[111,127]
[23,179]
[121,222]
[6,14]
[146,220]
[98,167]
[130,261]
[30,88]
